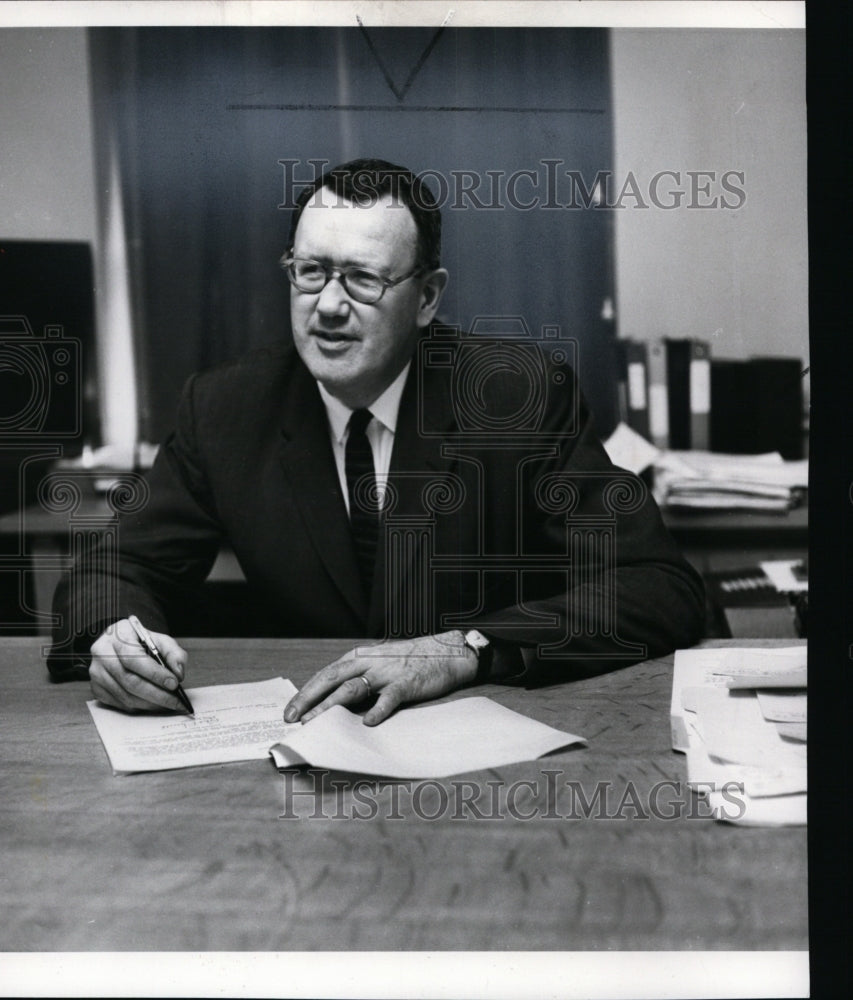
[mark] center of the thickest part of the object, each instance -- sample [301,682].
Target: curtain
[218,127]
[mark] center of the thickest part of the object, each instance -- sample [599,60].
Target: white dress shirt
[380,431]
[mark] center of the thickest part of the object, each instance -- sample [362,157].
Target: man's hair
[364,182]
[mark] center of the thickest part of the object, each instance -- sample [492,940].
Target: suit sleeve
[622,593]
[161,551]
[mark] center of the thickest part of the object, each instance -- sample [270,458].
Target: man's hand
[123,675]
[398,672]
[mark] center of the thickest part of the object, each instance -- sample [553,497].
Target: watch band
[483,650]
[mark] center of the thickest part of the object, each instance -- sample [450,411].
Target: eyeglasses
[362,285]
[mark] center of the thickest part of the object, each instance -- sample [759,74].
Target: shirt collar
[384,408]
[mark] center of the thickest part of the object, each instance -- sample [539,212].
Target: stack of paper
[739,716]
[707,480]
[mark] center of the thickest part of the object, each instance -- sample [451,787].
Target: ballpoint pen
[150,646]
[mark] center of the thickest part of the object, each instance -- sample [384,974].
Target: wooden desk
[720,541]
[200,860]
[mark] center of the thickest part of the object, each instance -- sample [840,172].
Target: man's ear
[432,288]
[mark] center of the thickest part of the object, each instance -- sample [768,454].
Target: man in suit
[386,478]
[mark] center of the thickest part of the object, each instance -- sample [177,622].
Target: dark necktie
[363,508]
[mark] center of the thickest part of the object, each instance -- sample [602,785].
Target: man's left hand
[402,671]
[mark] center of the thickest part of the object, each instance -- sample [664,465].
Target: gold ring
[366,684]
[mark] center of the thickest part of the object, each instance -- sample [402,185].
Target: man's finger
[135,681]
[134,660]
[320,685]
[121,640]
[109,691]
[389,700]
[351,692]
[174,654]
[105,689]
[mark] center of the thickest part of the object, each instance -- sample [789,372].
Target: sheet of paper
[731,666]
[734,730]
[433,741]
[630,450]
[705,774]
[232,722]
[690,698]
[793,730]
[777,810]
[770,679]
[783,706]
[781,575]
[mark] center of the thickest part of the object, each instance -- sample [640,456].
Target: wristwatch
[482,650]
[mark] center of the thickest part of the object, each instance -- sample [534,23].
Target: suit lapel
[424,418]
[309,466]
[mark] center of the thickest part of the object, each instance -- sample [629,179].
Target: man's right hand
[123,675]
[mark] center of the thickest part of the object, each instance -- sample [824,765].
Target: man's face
[356,350]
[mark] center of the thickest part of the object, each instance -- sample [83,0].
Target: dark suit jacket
[519,526]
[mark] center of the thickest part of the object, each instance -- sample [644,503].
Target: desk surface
[712,525]
[200,860]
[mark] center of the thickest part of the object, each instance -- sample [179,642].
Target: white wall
[722,100]
[48,191]
[47,188]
